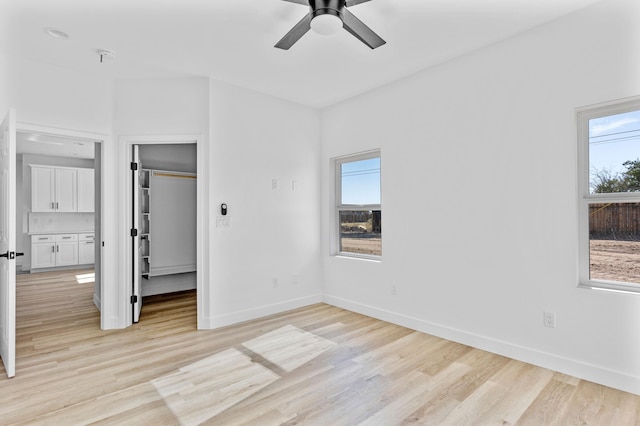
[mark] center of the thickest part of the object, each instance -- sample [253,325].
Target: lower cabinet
[49,251]
[43,251]
[86,249]
[66,249]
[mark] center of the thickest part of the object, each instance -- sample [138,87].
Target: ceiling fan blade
[360,30]
[350,3]
[296,33]
[305,2]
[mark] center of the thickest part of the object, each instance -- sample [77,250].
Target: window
[358,205]
[609,175]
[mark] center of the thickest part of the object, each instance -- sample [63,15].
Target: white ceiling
[33,143]
[232,40]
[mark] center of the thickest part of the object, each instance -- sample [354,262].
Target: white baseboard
[260,311]
[168,284]
[96,301]
[582,370]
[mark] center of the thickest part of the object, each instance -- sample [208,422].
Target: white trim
[585,198]
[263,311]
[57,131]
[572,367]
[203,284]
[107,301]
[337,206]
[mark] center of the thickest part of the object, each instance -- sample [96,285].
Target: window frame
[338,206]
[586,198]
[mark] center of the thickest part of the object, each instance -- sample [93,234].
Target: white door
[136,261]
[8,242]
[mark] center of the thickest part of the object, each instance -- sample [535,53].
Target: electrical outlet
[275,184]
[275,283]
[550,319]
[394,290]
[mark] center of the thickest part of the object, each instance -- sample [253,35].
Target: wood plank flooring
[318,365]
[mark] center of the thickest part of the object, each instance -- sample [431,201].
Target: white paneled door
[136,291]
[8,242]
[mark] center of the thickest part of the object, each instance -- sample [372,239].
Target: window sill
[612,287]
[374,259]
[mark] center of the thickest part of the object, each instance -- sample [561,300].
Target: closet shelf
[168,264]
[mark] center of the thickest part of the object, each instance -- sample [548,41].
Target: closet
[164,221]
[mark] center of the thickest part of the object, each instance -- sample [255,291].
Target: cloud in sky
[608,124]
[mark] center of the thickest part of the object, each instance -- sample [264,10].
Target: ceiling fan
[328,16]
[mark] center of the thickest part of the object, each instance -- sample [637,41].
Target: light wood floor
[319,365]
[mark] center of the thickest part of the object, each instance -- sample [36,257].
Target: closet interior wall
[168,218]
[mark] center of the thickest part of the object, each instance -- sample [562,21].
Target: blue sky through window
[361,182]
[612,141]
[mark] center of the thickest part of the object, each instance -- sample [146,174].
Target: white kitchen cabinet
[50,251]
[43,189]
[86,249]
[66,190]
[54,189]
[43,251]
[66,249]
[86,190]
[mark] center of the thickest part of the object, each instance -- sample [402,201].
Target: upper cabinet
[43,188]
[86,190]
[61,189]
[66,190]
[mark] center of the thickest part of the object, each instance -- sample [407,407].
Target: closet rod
[174,175]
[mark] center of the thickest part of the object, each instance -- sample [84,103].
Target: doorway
[55,191]
[164,215]
[81,248]
[176,162]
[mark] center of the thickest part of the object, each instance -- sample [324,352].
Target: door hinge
[134,232]
[134,299]
[134,166]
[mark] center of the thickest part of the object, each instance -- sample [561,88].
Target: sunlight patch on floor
[289,347]
[206,388]
[86,278]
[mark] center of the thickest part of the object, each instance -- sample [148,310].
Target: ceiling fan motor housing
[327,7]
[321,18]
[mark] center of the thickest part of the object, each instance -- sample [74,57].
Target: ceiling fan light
[326,24]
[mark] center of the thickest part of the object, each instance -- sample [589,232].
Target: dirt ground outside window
[615,260]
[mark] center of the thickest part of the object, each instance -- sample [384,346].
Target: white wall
[249,139]
[480,199]
[58,97]
[65,102]
[160,108]
[273,233]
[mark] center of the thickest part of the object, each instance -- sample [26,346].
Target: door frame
[202,203]
[108,245]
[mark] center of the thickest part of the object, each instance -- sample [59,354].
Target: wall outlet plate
[549,319]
